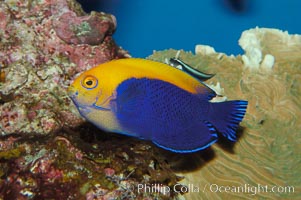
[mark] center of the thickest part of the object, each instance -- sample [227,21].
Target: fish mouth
[73,93]
[83,110]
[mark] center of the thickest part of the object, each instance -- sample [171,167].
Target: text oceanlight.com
[215,188]
[249,189]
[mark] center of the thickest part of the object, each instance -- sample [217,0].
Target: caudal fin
[226,116]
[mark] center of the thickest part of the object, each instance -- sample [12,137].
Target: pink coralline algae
[46,149]
[44,44]
[84,30]
[61,168]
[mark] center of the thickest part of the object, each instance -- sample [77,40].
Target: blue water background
[147,25]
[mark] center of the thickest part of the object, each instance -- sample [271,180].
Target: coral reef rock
[46,149]
[64,168]
[43,45]
[265,163]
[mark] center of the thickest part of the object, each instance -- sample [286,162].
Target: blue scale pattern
[172,118]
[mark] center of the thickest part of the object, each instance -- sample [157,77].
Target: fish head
[93,96]
[85,90]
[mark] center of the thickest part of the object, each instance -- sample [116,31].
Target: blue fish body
[175,114]
[172,118]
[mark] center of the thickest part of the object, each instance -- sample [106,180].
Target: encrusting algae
[47,151]
[39,55]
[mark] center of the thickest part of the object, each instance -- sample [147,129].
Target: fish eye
[89,82]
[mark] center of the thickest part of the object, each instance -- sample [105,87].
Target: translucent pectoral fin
[84,110]
[102,107]
[104,103]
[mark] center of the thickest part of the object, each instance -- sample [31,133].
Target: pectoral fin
[103,102]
